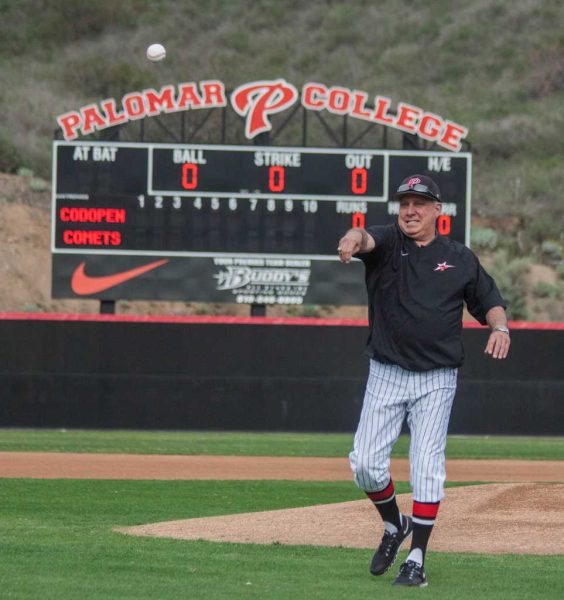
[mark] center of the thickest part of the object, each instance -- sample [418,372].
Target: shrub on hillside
[542,238]
[10,159]
[544,227]
[509,275]
[96,78]
[484,238]
[548,290]
[552,250]
[37,25]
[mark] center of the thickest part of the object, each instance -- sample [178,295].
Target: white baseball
[156,52]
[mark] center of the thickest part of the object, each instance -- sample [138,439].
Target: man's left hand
[498,344]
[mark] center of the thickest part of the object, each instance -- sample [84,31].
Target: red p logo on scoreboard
[259,99]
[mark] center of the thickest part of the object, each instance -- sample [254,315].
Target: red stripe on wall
[222,320]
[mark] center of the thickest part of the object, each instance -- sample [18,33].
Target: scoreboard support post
[258,310]
[107,307]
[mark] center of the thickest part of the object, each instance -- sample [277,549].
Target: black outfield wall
[251,374]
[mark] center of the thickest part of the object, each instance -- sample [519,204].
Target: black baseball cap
[419,185]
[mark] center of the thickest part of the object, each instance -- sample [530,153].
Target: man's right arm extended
[355,241]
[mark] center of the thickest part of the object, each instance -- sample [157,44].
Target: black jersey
[416,297]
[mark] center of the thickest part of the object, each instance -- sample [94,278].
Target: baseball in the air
[156,52]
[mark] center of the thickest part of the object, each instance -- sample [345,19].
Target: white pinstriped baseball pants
[391,393]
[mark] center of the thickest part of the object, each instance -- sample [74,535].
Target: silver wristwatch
[501,328]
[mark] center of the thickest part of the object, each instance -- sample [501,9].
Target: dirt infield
[467,518]
[468,515]
[52,465]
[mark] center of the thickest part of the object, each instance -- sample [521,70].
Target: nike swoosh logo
[83,284]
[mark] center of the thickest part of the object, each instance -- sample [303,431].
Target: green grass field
[260,444]
[56,538]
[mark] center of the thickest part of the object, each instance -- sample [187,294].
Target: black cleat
[388,549]
[411,574]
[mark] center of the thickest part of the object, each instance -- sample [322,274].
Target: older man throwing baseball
[417,282]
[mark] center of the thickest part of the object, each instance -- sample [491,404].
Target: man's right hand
[355,240]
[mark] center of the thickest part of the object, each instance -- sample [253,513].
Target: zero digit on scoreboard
[276,176]
[358,220]
[358,181]
[189,176]
[443,224]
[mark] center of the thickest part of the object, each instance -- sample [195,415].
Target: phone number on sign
[252,299]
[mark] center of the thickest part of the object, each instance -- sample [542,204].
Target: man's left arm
[499,340]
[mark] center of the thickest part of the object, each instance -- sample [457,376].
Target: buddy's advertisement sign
[247,224]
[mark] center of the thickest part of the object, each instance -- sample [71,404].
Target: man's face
[417,217]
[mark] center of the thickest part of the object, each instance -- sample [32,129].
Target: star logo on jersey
[443,266]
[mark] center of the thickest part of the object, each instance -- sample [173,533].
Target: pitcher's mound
[489,519]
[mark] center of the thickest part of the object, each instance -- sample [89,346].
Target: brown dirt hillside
[25,267]
[26,261]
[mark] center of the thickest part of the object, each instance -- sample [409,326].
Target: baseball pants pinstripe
[391,393]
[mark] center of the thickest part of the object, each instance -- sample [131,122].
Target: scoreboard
[217,223]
